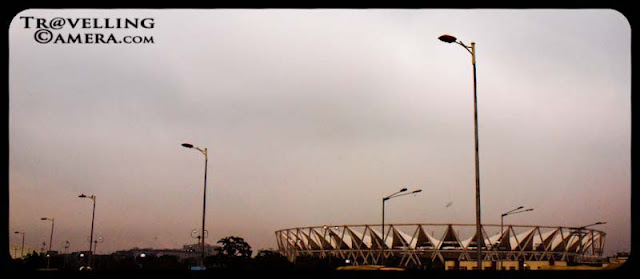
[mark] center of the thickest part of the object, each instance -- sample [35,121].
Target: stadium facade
[450,245]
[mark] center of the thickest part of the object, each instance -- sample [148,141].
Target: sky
[311,117]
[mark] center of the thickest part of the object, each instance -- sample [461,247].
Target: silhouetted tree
[169,262]
[14,264]
[34,261]
[267,259]
[234,246]
[311,262]
[233,253]
[149,261]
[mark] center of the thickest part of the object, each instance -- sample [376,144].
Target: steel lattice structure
[416,244]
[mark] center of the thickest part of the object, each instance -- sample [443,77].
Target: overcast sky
[310,117]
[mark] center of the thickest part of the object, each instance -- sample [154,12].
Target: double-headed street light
[21,251]
[584,227]
[199,236]
[327,232]
[580,232]
[66,246]
[472,49]
[99,239]
[51,237]
[204,199]
[92,197]
[394,195]
[511,212]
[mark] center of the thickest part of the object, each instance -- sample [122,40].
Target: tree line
[234,253]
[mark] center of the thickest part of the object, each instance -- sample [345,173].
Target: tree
[34,261]
[233,246]
[311,262]
[234,253]
[267,259]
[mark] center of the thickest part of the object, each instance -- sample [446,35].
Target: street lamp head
[447,38]
[82,196]
[601,223]
[187,145]
[44,218]
[530,209]
[403,189]
[417,191]
[520,207]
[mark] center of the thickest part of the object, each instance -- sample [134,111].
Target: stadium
[449,246]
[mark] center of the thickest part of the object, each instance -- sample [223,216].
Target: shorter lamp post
[84,267]
[394,195]
[50,238]
[327,233]
[142,257]
[511,212]
[99,239]
[21,251]
[200,236]
[66,246]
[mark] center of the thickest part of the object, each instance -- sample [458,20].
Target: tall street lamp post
[204,198]
[511,212]
[50,238]
[93,216]
[472,49]
[22,249]
[394,195]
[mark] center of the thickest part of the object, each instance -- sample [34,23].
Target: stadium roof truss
[414,244]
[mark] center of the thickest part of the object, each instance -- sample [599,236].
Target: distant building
[209,250]
[188,251]
[619,258]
